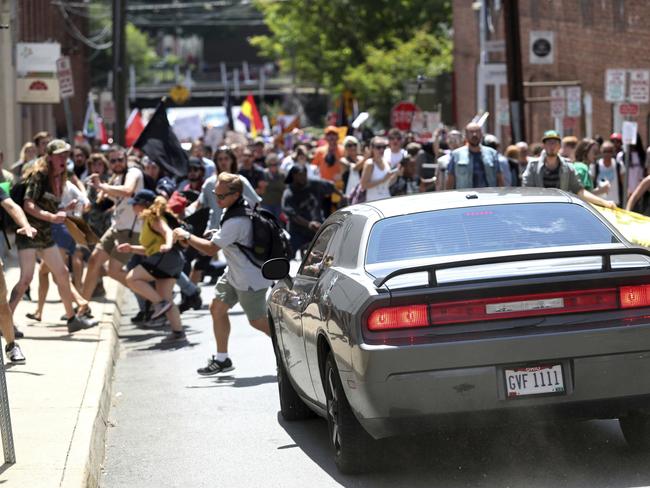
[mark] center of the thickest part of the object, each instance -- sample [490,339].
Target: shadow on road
[587,454]
[236,382]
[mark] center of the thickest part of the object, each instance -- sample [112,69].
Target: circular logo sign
[179,94]
[542,48]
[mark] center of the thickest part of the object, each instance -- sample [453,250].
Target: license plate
[534,380]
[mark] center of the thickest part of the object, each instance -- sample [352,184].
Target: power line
[74,31]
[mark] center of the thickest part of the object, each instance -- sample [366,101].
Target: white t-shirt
[72,192]
[610,174]
[394,158]
[124,218]
[241,272]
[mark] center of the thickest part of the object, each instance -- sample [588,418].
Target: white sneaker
[14,354]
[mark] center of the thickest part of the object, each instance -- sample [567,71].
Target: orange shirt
[331,173]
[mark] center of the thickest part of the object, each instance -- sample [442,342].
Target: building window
[618,15]
[587,12]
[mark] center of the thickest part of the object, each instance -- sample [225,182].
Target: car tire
[636,430]
[354,449]
[291,405]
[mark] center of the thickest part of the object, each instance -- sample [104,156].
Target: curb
[88,445]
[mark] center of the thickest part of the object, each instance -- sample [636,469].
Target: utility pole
[119,69]
[514,67]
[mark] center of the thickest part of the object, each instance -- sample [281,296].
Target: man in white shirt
[394,153]
[242,281]
[125,226]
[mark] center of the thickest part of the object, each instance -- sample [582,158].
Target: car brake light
[399,317]
[524,306]
[635,296]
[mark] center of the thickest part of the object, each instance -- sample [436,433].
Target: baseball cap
[143,197]
[165,187]
[615,137]
[195,162]
[57,146]
[331,129]
[551,134]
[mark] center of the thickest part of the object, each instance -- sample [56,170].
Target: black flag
[228,104]
[161,145]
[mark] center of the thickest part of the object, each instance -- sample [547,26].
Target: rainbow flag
[250,116]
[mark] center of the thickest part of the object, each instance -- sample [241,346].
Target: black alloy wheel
[354,449]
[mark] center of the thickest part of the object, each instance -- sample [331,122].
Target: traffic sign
[64,74]
[573,101]
[639,86]
[615,85]
[179,94]
[402,115]
[629,109]
[558,103]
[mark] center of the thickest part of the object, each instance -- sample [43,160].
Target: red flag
[134,127]
[102,135]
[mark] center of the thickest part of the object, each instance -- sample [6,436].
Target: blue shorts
[62,238]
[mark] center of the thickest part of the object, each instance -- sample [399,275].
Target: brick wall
[590,37]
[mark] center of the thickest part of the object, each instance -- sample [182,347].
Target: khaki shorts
[112,237]
[253,302]
[3,285]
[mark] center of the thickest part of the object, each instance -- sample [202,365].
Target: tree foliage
[369,46]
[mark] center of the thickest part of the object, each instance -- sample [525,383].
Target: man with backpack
[242,282]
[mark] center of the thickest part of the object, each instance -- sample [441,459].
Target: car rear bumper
[396,393]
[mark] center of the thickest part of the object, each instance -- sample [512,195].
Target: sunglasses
[115,160]
[395,138]
[223,196]
[379,147]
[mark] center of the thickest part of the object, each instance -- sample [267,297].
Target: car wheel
[636,430]
[291,405]
[352,445]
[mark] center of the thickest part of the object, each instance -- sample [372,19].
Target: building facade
[587,38]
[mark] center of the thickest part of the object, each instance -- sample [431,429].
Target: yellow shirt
[149,238]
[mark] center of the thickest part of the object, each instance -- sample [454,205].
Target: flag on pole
[134,127]
[90,120]
[250,116]
[159,142]
[102,135]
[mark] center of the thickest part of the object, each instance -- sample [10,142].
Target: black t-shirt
[305,202]
[551,177]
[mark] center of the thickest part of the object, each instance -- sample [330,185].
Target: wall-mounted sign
[542,47]
[37,90]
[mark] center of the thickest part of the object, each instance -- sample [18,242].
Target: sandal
[33,316]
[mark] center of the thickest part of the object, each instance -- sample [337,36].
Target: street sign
[615,85]
[37,90]
[558,103]
[629,132]
[573,101]
[402,115]
[503,112]
[628,109]
[639,86]
[541,47]
[179,94]
[495,46]
[107,107]
[493,73]
[64,74]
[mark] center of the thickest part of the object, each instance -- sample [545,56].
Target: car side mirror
[275,269]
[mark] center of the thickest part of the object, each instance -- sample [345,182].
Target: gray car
[413,313]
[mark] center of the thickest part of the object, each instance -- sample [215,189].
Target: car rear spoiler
[606,254]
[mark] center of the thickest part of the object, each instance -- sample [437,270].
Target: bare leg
[165,288]
[27,262]
[54,261]
[262,324]
[43,288]
[220,324]
[95,263]
[116,271]
[138,280]
[77,269]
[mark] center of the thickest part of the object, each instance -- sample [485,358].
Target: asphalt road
[172,428]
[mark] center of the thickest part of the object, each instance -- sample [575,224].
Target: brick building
[37,21]
[589,38]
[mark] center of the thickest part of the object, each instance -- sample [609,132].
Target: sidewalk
[59,399]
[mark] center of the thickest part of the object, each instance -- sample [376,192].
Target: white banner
[37,57]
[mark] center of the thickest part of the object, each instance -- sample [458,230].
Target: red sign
[402,114]
[631,109]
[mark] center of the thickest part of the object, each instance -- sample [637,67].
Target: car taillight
[399,317]
[524,306]
[635,296]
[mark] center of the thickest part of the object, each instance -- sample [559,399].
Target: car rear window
[484,229]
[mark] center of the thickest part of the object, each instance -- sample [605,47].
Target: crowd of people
[89,213]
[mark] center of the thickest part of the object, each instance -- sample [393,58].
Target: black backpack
[270,240]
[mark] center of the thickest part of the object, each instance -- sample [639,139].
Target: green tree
[331,43]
